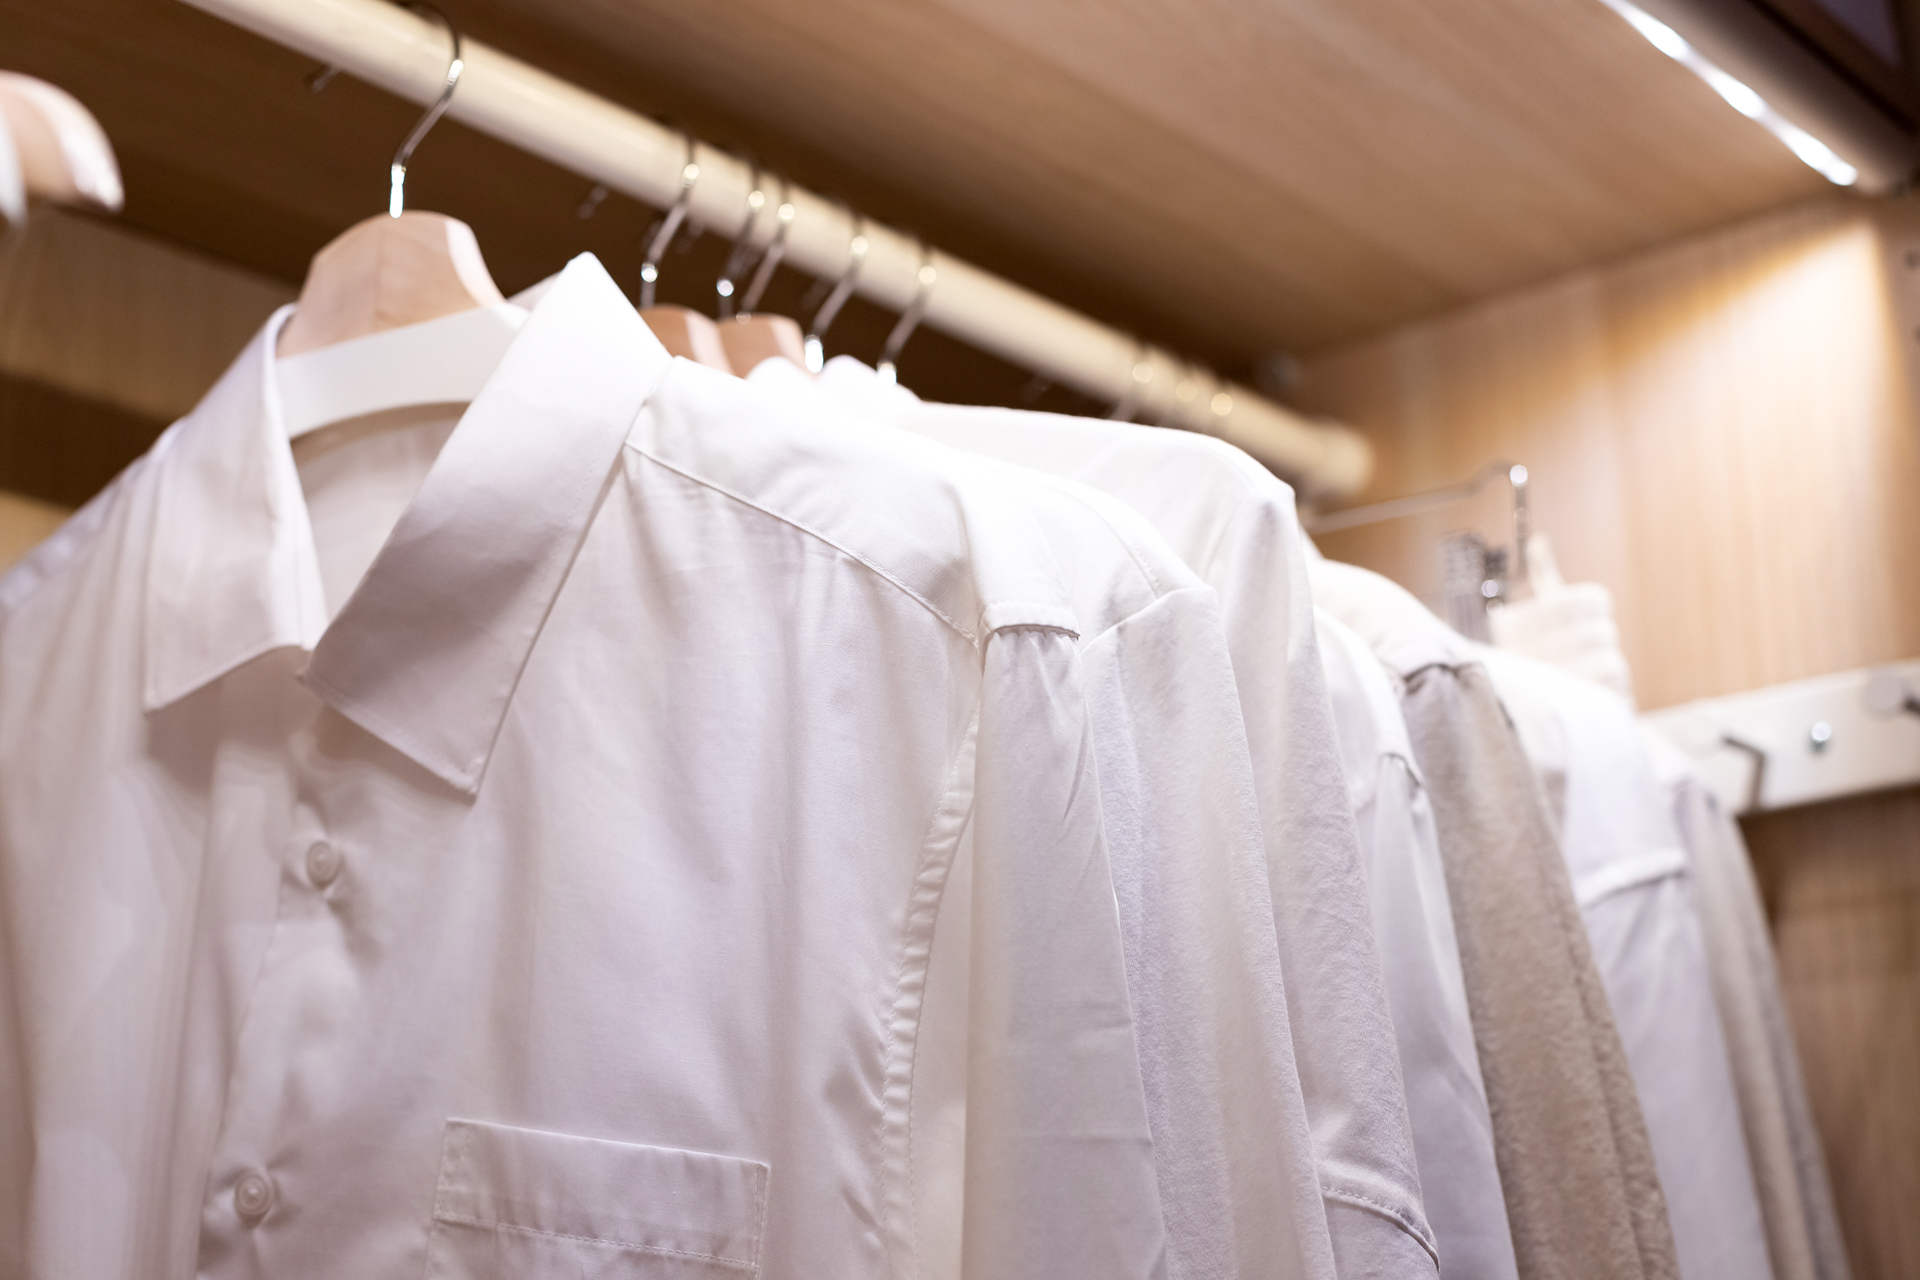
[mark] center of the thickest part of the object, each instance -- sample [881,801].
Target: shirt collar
[428,650]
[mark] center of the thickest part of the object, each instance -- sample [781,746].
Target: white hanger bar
[406,54]
[446,360]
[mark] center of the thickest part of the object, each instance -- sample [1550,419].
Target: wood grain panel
[1723,432]
[63,448]
[1229,179]
[1842,883]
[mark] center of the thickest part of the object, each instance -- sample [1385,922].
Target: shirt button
[323,864]
[252,1196]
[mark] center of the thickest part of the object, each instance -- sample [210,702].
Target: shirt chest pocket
[520,1204]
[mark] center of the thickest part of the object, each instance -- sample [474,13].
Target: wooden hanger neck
[385,273]
[753,338]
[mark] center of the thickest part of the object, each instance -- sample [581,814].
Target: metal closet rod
[406,54]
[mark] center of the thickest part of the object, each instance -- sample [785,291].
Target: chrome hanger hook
[823,318]
[742,252]
[776,249]
[669,225]
[910,319]
[396,195]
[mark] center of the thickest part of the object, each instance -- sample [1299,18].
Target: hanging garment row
[485,794]
[646,819]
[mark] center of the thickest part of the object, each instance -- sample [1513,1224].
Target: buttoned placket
[312,934]
[373,792]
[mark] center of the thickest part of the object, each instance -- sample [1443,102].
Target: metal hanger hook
[823,318]
[728,283]
[669,225]
[910,318]
[396,195]
[776,249]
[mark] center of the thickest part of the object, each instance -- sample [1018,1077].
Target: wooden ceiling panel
[1228,177]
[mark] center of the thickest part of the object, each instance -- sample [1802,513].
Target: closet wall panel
[1842,883]
[1723,432]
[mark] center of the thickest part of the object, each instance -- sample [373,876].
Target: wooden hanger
[387,272]
[64,156]
[397,310]
[13,186]
[749,338]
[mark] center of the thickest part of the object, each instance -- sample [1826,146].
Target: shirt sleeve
[1576,1164]
[1336,995]
[1059,1158]
[1238,1181]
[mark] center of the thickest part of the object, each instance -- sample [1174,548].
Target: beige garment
[1789,1171]
[1582,1193]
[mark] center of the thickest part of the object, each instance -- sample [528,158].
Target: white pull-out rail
[1811,740]
[406,54]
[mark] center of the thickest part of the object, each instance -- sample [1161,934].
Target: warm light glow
[1222,404]
[1739,95]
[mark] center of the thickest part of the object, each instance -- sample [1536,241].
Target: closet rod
[404,53]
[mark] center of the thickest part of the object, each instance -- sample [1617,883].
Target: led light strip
[1817,154]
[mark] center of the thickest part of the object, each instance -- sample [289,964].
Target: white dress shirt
[1632,881]
[1238,1184]
[1235,525]
[564,899]
[1413,923]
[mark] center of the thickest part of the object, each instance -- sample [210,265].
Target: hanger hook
[668,226]
[728,283]
[823,318]
[396,196]
[776,250]
[909,319]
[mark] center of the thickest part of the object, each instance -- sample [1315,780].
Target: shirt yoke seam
[811,532]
